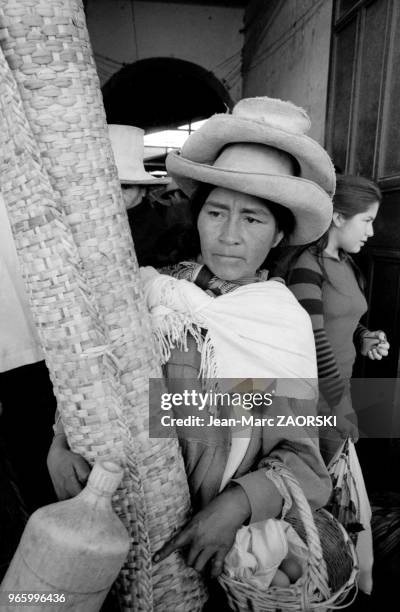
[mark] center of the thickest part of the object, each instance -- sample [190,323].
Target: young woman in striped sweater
[329,286]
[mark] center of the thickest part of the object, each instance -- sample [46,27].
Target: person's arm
[211,532]
[297,449]
[306,283]
[68,471]
[360,331]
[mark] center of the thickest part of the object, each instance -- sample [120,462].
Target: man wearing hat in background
[127,145]
[140,190]
[157,208]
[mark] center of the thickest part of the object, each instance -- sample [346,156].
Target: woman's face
[354,232]
[237,232]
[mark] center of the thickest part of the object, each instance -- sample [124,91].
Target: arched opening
[161,93]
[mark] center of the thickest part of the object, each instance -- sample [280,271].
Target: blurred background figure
[127,146]
[175,239]
[27,403]
[158,214]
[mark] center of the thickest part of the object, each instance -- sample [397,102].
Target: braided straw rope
[61,302]
[312,591]
[78,260]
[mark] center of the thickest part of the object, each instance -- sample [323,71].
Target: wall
[125,31]
[286,54]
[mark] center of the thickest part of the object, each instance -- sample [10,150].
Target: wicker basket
[331,570]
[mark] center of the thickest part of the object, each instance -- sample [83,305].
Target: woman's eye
[252,220]
[214,213]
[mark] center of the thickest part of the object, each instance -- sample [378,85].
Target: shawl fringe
[173,333]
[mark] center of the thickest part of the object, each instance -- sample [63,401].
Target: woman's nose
[370,231]
[230,231]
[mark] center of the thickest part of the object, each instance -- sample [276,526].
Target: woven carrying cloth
[65,207]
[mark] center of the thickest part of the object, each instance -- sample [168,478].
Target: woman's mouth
[223,256]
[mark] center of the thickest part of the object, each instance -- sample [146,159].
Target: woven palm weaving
[65,207]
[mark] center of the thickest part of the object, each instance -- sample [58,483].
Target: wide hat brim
[310,205]
[204,145]
[145,181]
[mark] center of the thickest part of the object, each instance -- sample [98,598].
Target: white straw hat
[127,145]
[251,151]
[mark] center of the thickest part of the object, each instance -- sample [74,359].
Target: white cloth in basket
[348,477]
[260,548]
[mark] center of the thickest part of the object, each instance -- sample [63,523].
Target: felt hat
[252,151]
[127,145]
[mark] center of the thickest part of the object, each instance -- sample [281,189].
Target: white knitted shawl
[258,331]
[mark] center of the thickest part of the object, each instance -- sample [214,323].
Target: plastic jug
[70,552]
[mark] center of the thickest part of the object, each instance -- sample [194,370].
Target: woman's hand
[68,471]
[210,534]
[375,345]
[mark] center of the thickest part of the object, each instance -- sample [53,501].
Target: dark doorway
[363,135]
[161,93]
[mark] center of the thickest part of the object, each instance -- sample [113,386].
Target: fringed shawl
[255,330]
[258,331]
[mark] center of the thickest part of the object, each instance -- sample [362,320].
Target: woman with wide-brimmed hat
[255,178]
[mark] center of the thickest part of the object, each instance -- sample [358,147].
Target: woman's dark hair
[283,217]
[353,196]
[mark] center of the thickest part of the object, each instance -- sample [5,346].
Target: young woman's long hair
[354,195]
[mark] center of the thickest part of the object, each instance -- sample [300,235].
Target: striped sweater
[335,304]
